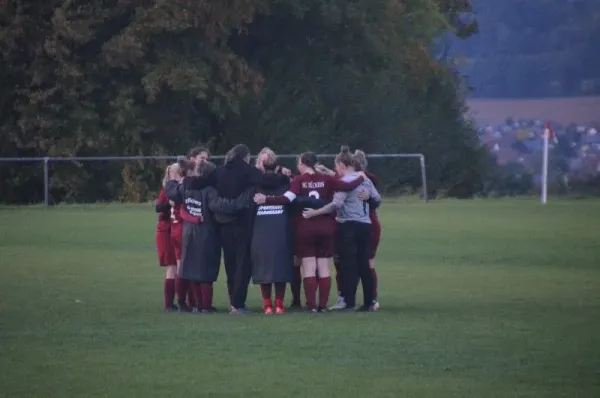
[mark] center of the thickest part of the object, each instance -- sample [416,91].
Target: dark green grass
[479,299]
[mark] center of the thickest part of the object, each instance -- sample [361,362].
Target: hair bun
[345,149]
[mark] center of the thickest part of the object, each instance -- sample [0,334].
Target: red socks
[296,285]
[279,294]
[324,290]
[374,282]
[310,291]
[207,296]
[266,291]
[169,291]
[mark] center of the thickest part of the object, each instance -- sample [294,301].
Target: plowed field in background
[584,110]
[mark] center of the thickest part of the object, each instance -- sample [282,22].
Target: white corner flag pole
[544,197]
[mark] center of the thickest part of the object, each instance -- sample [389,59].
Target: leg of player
[206,292]
[266,290]
[340,303]
[309,270]
[324,282]
[374,273]
[169,289]
[279,296]
[182,286]
[296,284]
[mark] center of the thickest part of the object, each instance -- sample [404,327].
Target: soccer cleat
[268,310]
[375,305]
[296,306]
[238,311]
[322,309]
[340,305]
[211,310]
[172,308]
[313,310]
[280,310]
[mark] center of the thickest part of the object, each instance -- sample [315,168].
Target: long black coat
[201,252]
[271,246]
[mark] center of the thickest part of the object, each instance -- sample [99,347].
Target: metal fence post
[46,182]
[423,177]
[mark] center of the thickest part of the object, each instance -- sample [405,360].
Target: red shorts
[176,239]
[375,236]
[315,238]
[166,256]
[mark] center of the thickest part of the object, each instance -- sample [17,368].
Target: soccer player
[166,256]
[199,155]
[315,237]
[271,246]
[352,233]
[361,163]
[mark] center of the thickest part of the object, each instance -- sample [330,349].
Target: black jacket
[271,246]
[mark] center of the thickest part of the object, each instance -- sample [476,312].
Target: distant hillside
[584,110]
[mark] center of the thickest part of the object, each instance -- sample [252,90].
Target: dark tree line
[154,77]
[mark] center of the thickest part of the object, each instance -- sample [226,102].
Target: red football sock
[181,286]
[279,294]
[169,291]
[266,290]
[374,282]
[296,285]
[207,295]
[324,289]
[197,294]
[310,291]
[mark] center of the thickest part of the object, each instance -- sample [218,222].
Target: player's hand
[286,171]
[309,213]
[260,199]
[172,203]
[363,195]
[363,175]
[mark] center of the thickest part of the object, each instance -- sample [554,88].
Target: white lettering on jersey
[314,194]
[194,207]
[269,210]
[313,184]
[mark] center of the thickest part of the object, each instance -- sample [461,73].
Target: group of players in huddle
[274,228]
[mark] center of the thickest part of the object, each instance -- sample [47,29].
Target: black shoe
[211,310]
[311,310]
[323,309]
[347,309]
[172,308]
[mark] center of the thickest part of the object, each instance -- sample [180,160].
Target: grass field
[479,299]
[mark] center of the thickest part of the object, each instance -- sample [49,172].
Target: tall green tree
[139,77]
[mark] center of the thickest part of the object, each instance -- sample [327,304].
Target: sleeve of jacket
[218,204]
[307,202]
[374,204]
[174,191]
